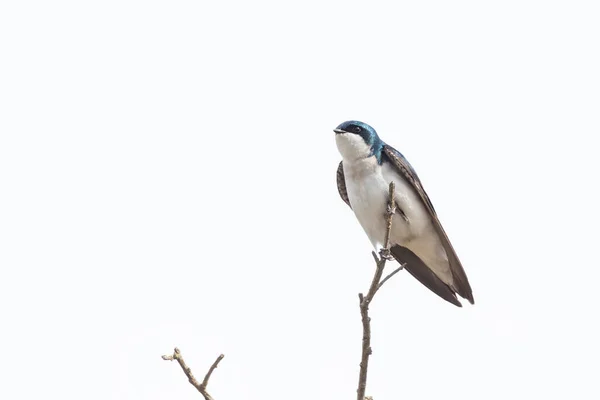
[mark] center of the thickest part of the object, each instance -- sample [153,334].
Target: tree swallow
[417,238]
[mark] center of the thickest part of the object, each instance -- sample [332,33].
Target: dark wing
[341,184]
[461,283]
[418,269]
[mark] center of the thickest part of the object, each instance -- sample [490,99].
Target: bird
[417,239]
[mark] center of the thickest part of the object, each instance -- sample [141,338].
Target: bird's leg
[386,254]
[391,209]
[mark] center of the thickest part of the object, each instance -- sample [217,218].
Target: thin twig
[391,210]
[210,371]
[394,272]
[188,372]
[376,283]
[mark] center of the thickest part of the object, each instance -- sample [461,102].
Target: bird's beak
[337,131]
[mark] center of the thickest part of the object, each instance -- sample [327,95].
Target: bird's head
[356,140]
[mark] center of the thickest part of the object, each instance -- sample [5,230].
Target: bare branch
[365,301]
[375,257]
[391,210]
[394,272]
[210,371]
[201,387]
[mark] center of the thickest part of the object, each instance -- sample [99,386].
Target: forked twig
[394,272]
[376,284]
[188,372]
[365,301]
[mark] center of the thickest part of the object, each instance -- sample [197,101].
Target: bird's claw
[391,210]
[386,255]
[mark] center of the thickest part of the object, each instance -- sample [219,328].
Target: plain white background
[167,178]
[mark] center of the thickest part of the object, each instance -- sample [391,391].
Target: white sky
[167,172]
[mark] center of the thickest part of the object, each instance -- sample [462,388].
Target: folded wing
[460,282]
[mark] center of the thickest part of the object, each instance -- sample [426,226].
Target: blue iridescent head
[357,140]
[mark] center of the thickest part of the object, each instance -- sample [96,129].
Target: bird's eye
[357,129]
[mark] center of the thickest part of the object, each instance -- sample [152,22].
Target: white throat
[352,147]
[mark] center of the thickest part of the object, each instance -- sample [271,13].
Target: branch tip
[201,387]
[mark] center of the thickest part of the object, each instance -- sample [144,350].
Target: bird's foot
[386,254]
[391,209]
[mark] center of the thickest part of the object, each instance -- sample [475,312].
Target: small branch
[394,272]
[201,387]
[376,284]
[380,265]
[391,210]
[210,371]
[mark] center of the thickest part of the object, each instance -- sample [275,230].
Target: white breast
[367,193]
[367,184]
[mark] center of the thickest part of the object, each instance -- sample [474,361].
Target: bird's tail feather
[417,268]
